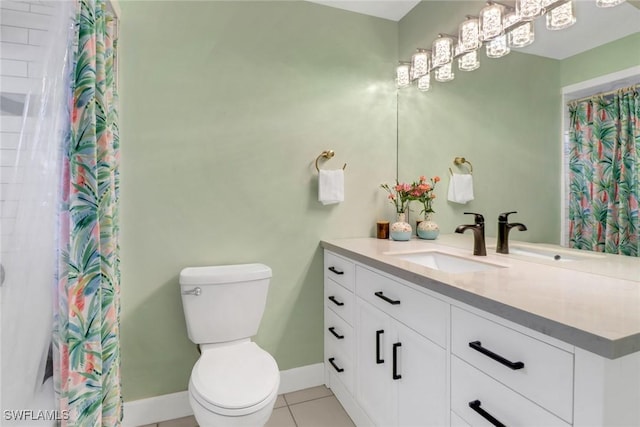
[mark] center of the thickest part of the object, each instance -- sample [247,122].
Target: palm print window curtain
[86,327]
[604,172]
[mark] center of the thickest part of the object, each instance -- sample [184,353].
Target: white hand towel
[330,186]
[460,188]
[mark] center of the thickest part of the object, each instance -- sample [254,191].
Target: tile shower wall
[23,27]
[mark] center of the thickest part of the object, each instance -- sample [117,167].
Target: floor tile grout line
[295,423]
[310,400]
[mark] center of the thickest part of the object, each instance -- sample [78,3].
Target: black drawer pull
[335,301]
[335,270]
[475,405]
[477,346]
[379,294]
[396,375]
[335,334]
[379,359]
[331,360]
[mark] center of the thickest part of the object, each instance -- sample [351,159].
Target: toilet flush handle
[194,291]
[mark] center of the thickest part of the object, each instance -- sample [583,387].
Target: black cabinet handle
[335,301]
[336,367]
[379,294]
[379,359]
[475,405]
[396,375]
[477,346]
[335,270]
[335,334]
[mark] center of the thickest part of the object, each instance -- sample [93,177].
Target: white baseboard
[176,405]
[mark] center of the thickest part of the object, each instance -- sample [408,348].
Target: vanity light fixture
[529,9]
[608,3]
[402,75]
[521,35]
[445,73]
[442,51]
[469,35]
[469,61]
[560,17]
[498,47]
[420,64]
[424,83]
[491,21]
[499,27]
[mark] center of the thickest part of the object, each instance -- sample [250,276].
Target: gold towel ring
[327,154]
[460,161]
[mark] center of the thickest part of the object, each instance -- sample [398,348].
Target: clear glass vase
[401,229]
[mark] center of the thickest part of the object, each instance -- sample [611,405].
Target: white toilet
[234,382]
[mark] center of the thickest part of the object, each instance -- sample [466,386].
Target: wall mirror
[506,116]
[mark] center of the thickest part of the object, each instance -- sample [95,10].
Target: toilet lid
[235,377]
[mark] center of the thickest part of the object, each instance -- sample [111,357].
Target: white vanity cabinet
[486,352]
[398,354]
[339,336]
[400,375]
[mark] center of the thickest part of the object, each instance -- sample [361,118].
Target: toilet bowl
[234,382]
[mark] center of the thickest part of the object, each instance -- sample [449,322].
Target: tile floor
[312,407]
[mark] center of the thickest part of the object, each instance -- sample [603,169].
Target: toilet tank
[224,303]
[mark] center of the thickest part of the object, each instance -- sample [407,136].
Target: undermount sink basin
[550,254]
[444,262]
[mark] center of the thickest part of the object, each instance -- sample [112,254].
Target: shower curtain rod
[610,92]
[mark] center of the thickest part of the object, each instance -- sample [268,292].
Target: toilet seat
[235,380]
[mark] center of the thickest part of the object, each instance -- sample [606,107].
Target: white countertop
[592,303]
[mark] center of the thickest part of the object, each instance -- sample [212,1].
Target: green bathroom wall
[224,108]
[503,117]
[606,59]
[226,105]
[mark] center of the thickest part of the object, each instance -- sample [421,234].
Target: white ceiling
[594,27]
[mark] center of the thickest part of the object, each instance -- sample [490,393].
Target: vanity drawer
[338,333]
[421,312]
[339,364]
[470,387]
[340,300]
[535,369]
[339,269]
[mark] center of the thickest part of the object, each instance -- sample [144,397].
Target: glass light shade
[521,35]
[441,51]
[528,9]
[491,21]
[608,3]
[469,35]
[402,75]
[424,83]
[419,64]
[469,61]
[561,17]
[498,47]
[444,73]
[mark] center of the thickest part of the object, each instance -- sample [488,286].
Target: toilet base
[207,418]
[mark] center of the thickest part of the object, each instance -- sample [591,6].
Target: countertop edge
[610,349]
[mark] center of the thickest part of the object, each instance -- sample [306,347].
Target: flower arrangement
[399,195]
[422,191]
[425,193]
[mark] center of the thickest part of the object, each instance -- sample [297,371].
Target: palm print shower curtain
[604,173]
[86,331]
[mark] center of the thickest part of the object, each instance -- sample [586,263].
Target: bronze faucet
[478,233]
[503,231]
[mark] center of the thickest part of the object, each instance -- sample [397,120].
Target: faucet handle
[478,217]
[504,216]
